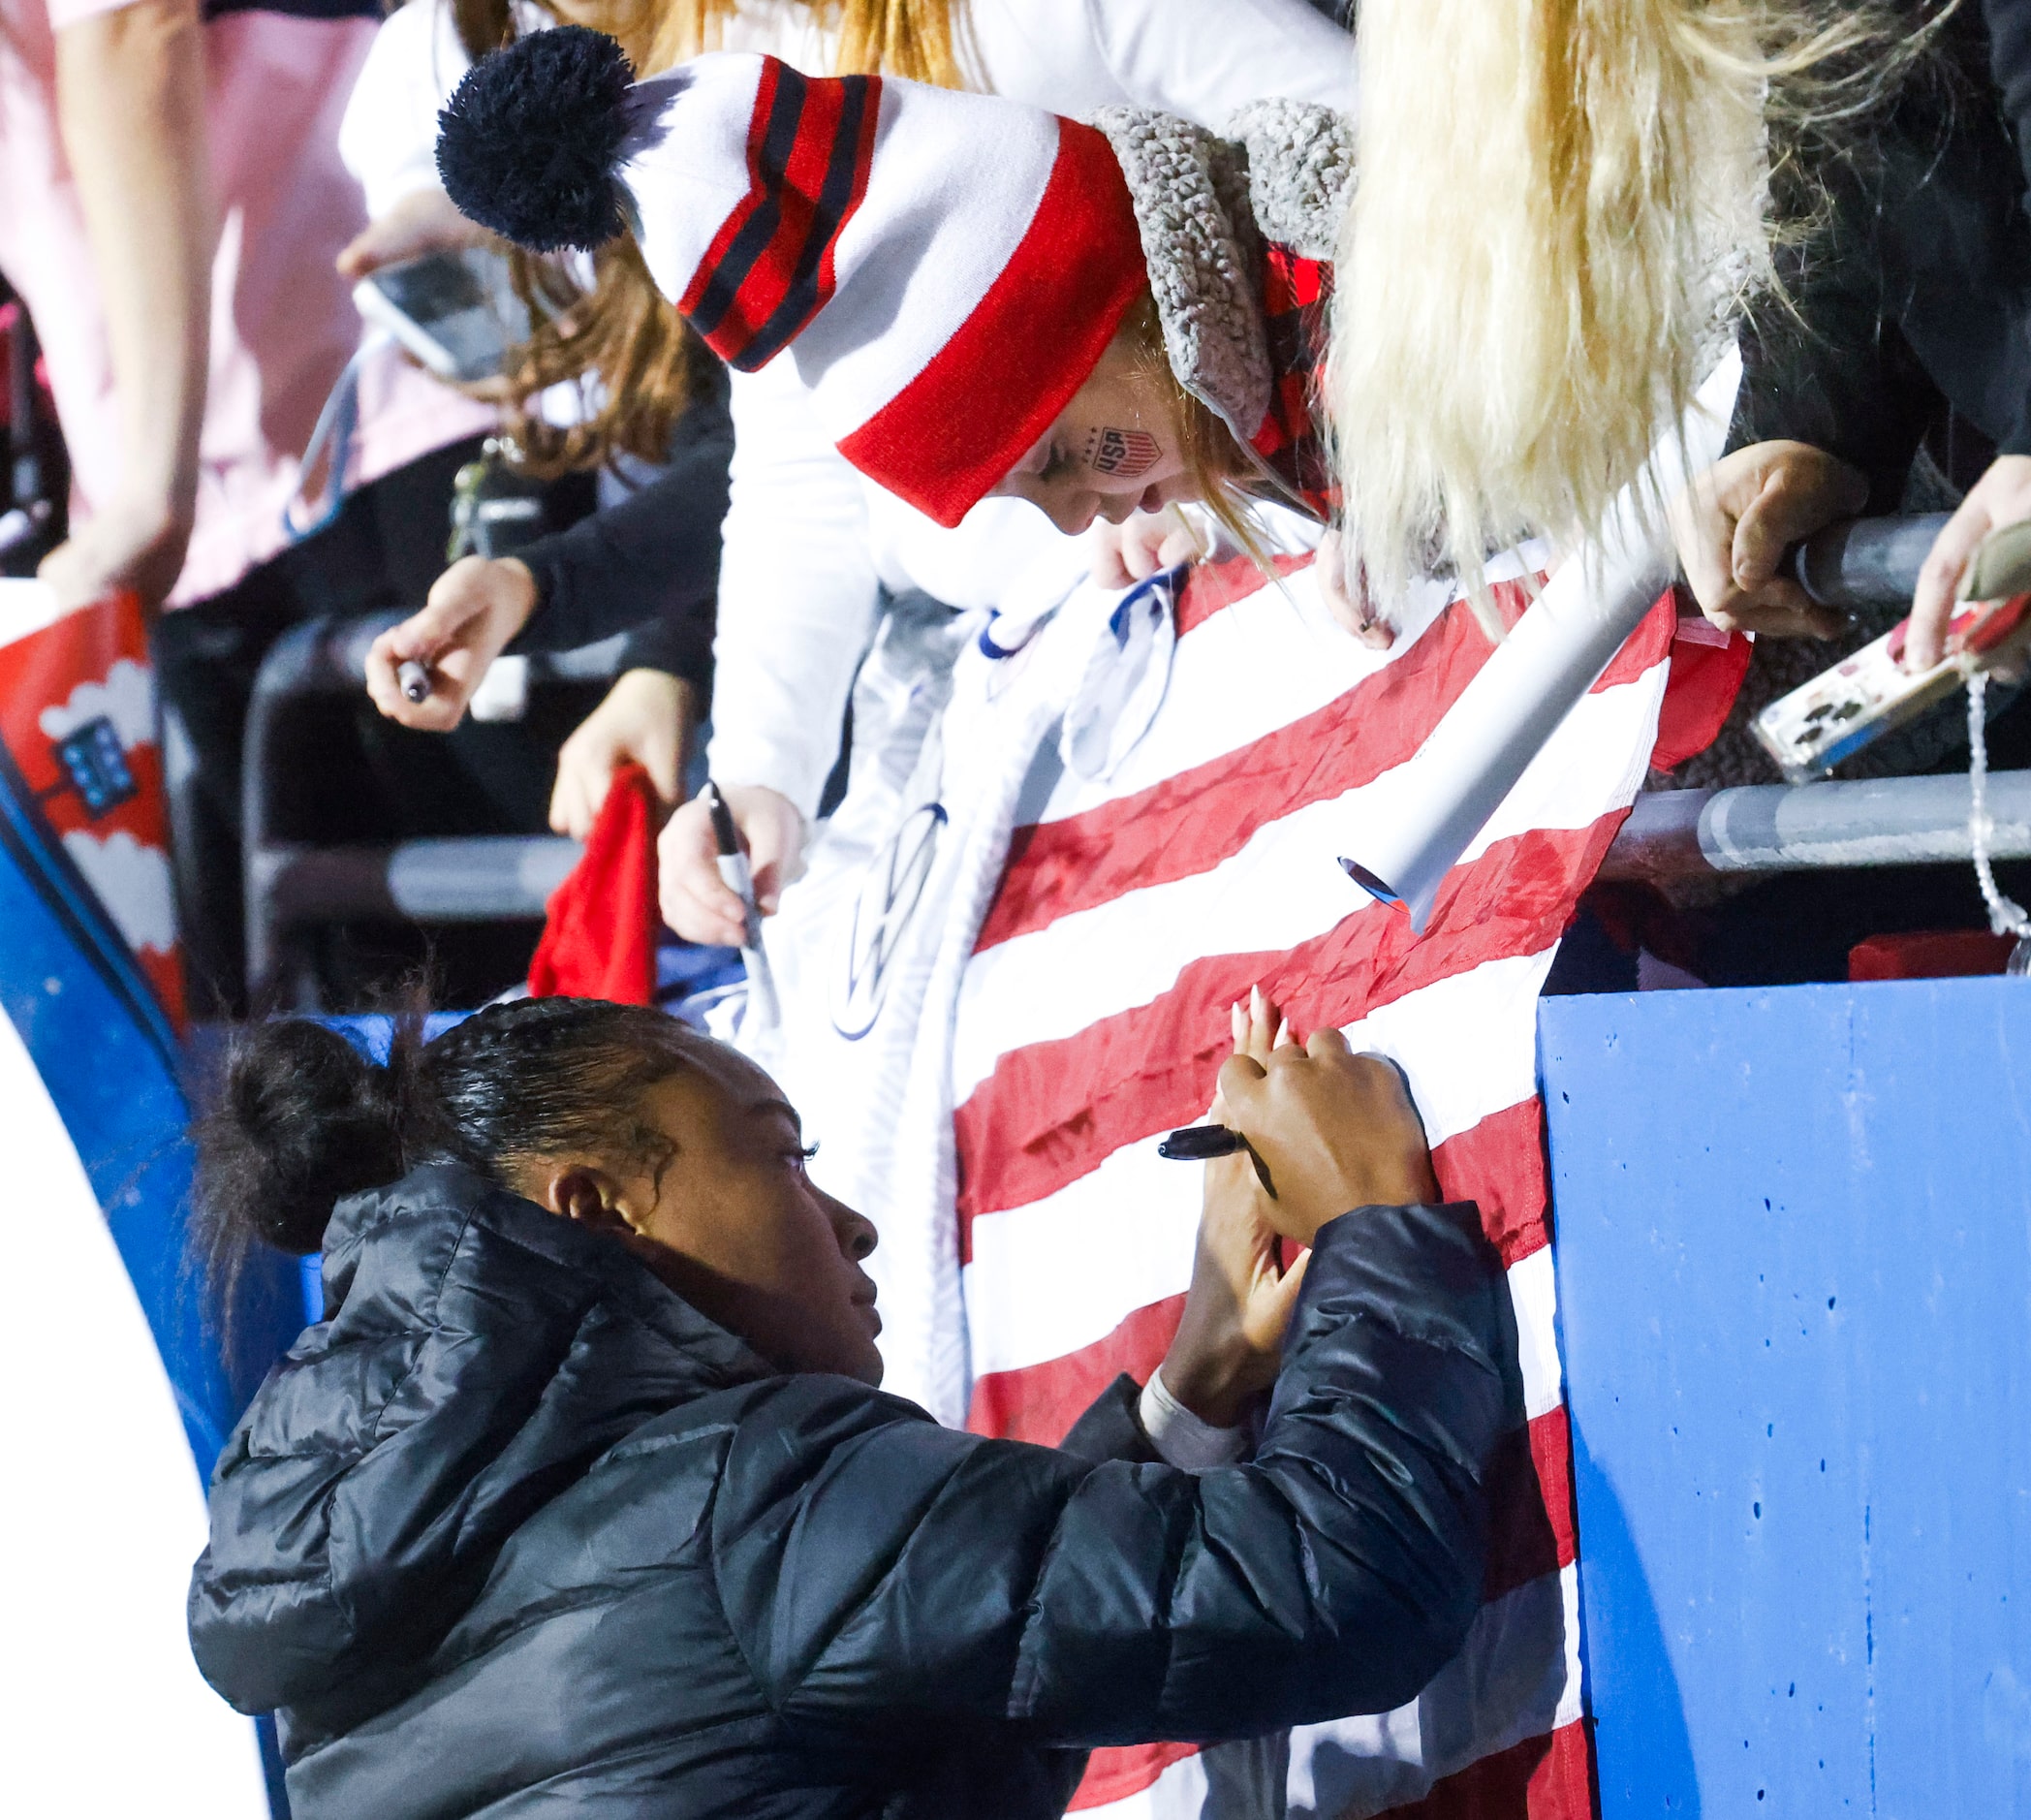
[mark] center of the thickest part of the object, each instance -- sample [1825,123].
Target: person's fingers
[696,921]
[1388,1079]
[1350,606]
[1244,1020]
[1703,535]
[424,221]
[1261,1025]
[1731,524]
[771,840]
[1108,570]
[764,863]
[593,781]
[1328,1040]
[689,881]
[661,758]
[567,807]
[1780,609]
[428,632]
[583,778]
[1136,547]
[1760,542]
[360,254]
[455,672]
[2008,661]
[1241,1078]
[439,711]
[1283,1298]
[585,767]
[383,688]
[1939,582]
[1104,556]
[1802,492]
[694,904]
[375,245]
[1182,543]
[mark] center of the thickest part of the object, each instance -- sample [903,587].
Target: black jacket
[1910,300]
[647,566]
[516,1531]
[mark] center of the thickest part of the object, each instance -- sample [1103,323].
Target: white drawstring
[2005,916]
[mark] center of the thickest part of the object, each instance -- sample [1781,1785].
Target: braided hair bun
[304,1120]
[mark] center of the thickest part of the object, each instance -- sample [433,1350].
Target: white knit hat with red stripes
[945,268]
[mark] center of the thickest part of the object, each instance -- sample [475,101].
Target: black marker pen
[1200,1144]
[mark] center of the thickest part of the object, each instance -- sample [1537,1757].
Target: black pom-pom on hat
[530,141]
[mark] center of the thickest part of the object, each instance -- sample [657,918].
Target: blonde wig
[1559,207]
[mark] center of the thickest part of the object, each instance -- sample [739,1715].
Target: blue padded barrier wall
[106,1057]
[1793,1245]
[112,1068]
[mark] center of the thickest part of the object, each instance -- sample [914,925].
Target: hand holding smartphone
[457,312]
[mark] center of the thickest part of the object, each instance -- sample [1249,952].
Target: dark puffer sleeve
[920,1573]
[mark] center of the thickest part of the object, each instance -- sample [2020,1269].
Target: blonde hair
[1559,205]
[623,329]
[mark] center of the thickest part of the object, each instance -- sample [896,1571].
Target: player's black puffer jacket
[516,1531]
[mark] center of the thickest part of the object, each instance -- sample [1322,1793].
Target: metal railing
[1773,827]
[1778,828]
[1781,828]
[294,884]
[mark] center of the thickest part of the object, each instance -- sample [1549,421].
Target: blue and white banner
[117,1401]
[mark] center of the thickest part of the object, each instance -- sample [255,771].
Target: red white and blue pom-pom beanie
[945,268]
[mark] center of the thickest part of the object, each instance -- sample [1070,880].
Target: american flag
[1093,1016]
[78,741]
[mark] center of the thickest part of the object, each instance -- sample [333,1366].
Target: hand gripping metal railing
[1777,828]
[291,884]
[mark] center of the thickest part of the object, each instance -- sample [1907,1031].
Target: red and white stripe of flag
[1094,1015]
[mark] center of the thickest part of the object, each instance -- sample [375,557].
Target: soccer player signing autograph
[584,1494]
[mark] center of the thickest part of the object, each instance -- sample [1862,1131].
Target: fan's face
[1114,450]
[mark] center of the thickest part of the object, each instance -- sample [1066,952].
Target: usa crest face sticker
[1121,454]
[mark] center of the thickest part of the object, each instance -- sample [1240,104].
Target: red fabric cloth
[1707,667]
[599,932]
[1929,954]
